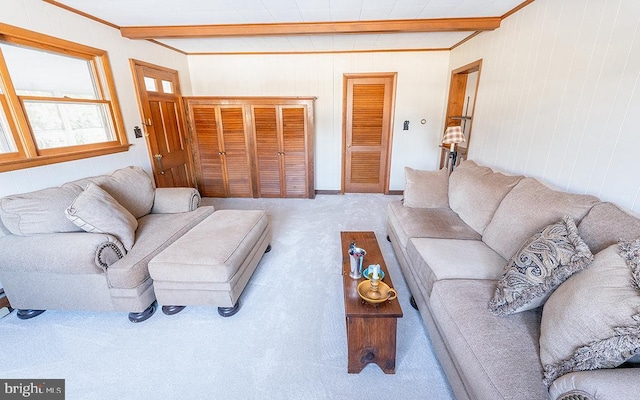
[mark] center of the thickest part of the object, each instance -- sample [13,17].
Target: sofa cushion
[543,262]
[427,222]
[39,212]
[426,189]
[475,192]
[592,320]
[132,187]
[155,233]
[526,209]
[606,224]
[473,335]
[94,210]
[436,259]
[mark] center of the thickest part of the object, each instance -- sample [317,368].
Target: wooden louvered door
[253,146]
[222,149]
[280,135]
[368,112]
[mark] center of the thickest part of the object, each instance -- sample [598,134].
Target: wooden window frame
[28,155]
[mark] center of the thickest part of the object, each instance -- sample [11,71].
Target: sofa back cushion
[38,212]
[132,188]
[475,192]
[425,189]
[528,208]
[606,224]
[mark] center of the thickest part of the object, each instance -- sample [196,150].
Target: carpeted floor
[287,341]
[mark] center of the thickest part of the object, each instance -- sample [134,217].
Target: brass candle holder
[375,291]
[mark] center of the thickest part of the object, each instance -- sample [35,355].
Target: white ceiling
[136,13]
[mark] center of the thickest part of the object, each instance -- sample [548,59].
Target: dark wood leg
[268,249]
[28,314]
[229,311]
[170,310]
[388,239]
[412,301]
[371,340]
[143,316]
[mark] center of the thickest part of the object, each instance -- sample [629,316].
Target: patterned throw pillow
[95,210]
[592,320]
[543,262]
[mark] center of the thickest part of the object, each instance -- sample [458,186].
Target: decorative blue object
[368,271]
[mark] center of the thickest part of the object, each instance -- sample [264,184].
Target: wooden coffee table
[371,329]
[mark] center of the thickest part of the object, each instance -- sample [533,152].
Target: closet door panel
[294,132]
[210,176]
[268,157]
[236,155]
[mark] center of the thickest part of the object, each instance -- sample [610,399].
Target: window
[57,101]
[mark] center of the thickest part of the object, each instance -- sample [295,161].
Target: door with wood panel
[159,99]
[367,116]
[223,156]
[280,136]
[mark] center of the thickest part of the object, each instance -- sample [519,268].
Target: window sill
[58,158]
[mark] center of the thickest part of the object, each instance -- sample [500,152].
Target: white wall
[421,94]
[559,97]
[38,16]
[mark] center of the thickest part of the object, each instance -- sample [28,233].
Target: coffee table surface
[354,306]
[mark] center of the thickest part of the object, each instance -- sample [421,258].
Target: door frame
[181,117]
[455,101]
[345,79]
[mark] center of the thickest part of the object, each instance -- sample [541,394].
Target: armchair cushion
[95,210]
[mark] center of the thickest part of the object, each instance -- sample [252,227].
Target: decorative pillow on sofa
[95,210]
[592,320]
[543,262]
[426,189]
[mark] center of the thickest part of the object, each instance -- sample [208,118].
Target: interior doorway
[160,102]
[463,91]
[368,107]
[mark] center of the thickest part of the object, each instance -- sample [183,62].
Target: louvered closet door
[367,133]
[294,150]
[268,157]
[210,175]
[235,156]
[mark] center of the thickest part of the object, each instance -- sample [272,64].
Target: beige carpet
[287,341]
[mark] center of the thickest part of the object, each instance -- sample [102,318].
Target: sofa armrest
[175,200]
[601,384]
[64,253]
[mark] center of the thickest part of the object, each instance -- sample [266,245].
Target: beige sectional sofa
[56,253]
[455,236]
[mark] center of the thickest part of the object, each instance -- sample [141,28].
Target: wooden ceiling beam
[312,28]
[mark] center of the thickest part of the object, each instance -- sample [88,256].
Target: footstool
[211,263]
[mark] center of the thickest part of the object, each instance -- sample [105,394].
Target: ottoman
[211,263]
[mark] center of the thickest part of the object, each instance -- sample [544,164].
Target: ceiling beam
[312,28]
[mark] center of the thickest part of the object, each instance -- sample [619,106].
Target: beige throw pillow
[95,210]
[543,262]
[592,320]
[426,189]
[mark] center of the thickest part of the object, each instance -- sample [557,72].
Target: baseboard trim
[328,192]
[396,192]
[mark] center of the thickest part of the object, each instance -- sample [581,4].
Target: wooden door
[222,156]
[268,148]
[294,150]
[280,134]
[234,151]
[368,112]
[159,99]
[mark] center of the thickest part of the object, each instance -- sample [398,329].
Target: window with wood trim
[57,101]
